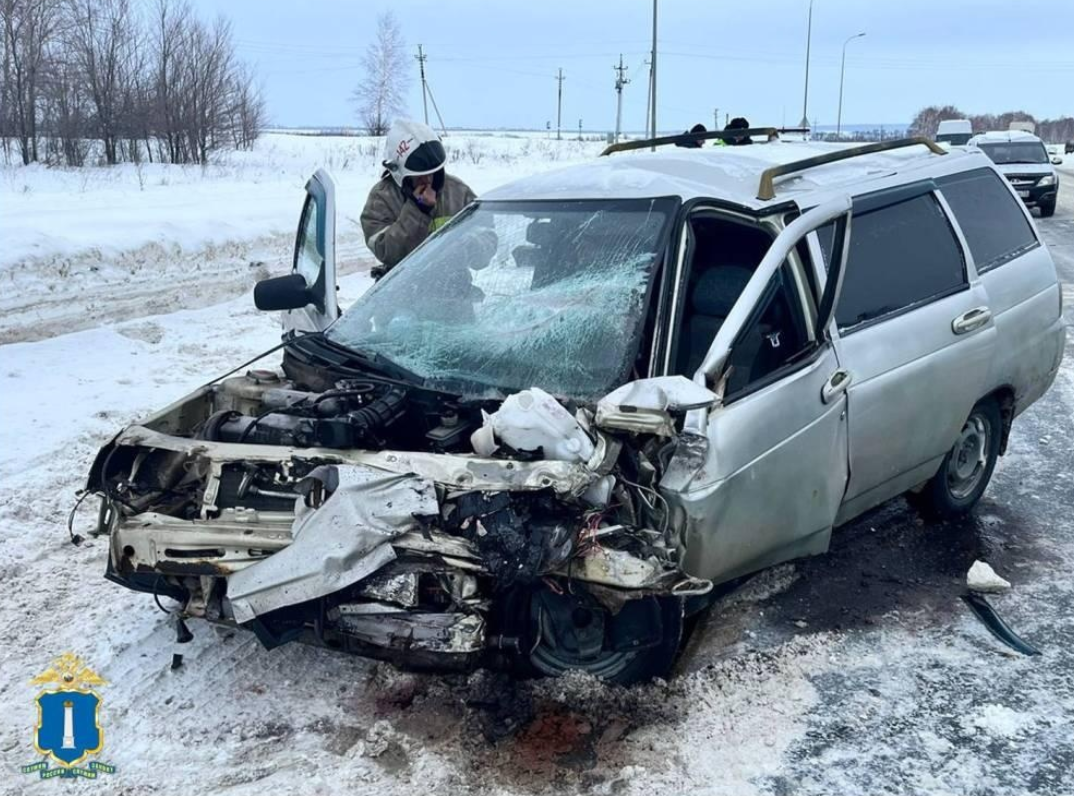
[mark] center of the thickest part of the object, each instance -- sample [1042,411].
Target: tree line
[121,80]
[928,120]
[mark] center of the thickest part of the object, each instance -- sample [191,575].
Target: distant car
[956,132]
[1069,148]
[596,393]
[1023,159]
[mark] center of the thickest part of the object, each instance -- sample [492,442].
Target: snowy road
[857,672]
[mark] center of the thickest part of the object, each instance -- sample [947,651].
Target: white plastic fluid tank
[533,419]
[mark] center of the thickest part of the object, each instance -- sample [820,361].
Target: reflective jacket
[394,224]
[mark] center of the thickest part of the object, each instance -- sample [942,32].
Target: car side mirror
[288,292]
[1057,161]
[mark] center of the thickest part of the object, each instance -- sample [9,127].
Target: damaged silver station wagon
[596,394]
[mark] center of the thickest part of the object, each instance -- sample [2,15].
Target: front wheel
[1047,210]
[967,467]
[574,632]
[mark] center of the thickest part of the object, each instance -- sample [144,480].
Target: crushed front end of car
[409,525]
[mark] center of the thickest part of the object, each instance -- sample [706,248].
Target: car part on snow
[982,579]
[984,611]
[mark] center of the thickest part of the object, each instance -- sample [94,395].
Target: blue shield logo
[68,729]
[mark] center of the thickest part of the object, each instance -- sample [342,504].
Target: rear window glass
[900,255]
[993,223]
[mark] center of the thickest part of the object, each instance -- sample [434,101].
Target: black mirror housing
[282,293]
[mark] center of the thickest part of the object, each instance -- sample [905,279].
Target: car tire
[967,468]
[1047,210]
[550,656]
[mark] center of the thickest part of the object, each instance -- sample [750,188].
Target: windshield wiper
[374,362]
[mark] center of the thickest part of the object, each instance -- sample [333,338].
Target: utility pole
[809,40]
[421,56]
[715,118]
[559,105]
[652,79]
[842,74]
[620,81]
[579,129]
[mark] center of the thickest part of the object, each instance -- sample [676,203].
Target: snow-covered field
[859,672]
[80,247]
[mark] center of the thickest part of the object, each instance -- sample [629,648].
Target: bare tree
[28,28]
[928,119]
[381,94]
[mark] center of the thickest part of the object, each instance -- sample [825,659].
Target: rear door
[915,330]
[775,468]
[315,257]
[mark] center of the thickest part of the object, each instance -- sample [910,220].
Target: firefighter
[413,198]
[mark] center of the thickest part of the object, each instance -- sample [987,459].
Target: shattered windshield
[514,295]
[1016,152]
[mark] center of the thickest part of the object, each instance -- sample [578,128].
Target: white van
[954,131]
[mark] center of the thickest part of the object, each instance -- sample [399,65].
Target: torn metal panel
[431,632]
[691,452]
[238,539]
[451,470]
[400,588]
[344,540]
[649,406]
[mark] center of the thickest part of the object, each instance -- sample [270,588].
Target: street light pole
[808,42]
[842,73]
[652,77]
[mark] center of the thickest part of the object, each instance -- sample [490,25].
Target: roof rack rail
[767,190]
[696,138]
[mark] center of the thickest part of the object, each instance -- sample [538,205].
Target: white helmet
[412,149]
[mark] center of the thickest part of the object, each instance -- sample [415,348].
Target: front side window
[1006,152]
[991,218]
[514,295]
[900,255]
[308,257]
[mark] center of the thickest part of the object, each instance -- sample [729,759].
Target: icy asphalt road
[857,672]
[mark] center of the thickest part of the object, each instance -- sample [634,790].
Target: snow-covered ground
[858,672]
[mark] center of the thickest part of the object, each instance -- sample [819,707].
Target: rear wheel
[967,467]
[1047,210]
[574,632]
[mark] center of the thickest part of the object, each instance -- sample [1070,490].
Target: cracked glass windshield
[519,294]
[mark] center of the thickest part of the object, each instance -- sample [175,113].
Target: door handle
[836,385]
[971,320]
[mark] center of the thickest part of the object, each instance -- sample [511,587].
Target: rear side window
[993,223]
[900,255]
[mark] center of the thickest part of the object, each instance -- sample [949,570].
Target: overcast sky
[492,63]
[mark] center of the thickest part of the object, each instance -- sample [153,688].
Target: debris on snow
[983,579]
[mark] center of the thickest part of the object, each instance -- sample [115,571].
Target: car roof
[1003,137]
[732,174]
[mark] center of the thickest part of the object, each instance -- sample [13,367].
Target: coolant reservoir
[243,393]
[533,419]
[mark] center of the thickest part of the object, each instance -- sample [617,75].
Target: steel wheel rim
[552,659]
[968,458]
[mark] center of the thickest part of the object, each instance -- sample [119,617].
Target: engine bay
[399,522]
